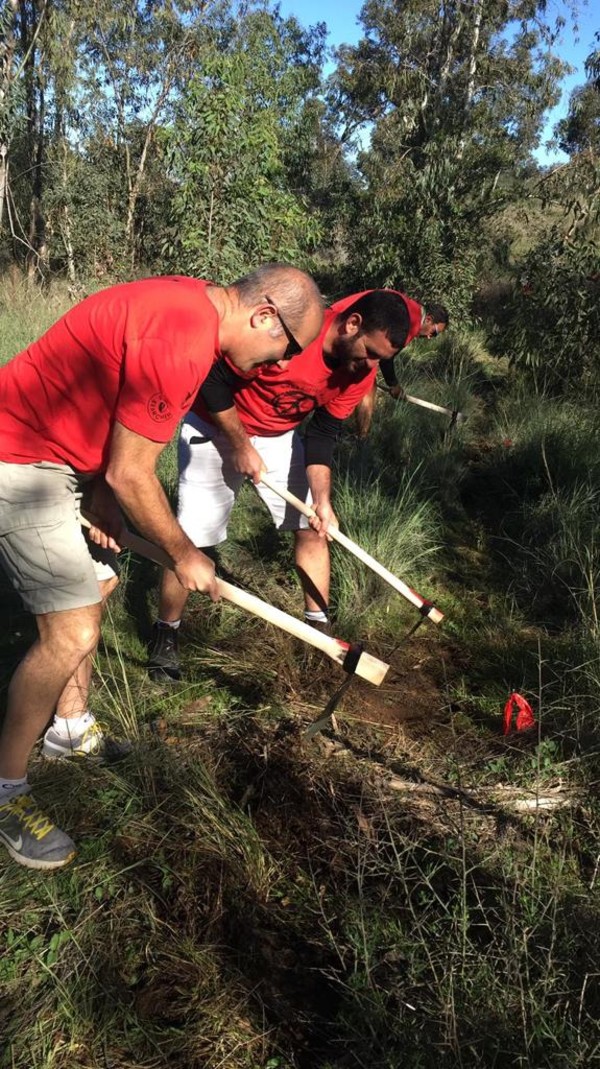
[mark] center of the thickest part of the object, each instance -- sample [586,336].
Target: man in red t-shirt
[87,409]
[240,428]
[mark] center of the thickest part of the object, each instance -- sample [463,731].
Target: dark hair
[294,290]
[438,313]
[382,310]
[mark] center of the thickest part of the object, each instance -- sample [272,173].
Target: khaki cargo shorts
[43,549]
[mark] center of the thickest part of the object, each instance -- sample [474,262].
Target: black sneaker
[163,665]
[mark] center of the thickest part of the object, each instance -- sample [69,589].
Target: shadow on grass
[17,632]
[240,901]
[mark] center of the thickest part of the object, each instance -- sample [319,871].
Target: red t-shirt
[277,399]
[135,353]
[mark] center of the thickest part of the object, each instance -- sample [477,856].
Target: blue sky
[341,17]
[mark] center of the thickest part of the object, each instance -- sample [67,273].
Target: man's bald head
[296,294]
[267,316]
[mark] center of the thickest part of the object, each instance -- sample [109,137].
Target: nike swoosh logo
[15,843]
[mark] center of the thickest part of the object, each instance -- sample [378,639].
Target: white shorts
[208,483]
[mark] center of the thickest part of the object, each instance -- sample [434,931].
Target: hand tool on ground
[324,720]
[455,415]
[352,659]
[425,607]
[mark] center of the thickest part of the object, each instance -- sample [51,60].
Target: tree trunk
[472,70]
[7,55]
[3,181]
[134,191]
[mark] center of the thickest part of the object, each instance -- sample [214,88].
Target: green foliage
[232,207]
[11,88]
[552,323]
[84,205]
[411,230]
[456,96]
[398,528]
[580,130]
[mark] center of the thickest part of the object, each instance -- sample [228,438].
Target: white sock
[316,616]
[74,726]
[10,788]
[174,624]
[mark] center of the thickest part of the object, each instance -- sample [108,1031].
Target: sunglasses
[293,345]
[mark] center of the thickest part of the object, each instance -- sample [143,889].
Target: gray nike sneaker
[92,744]
[30,836]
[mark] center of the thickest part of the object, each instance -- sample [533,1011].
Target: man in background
[435,319]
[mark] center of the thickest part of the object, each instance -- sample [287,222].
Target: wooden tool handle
[453,413]
[367,667]
[424,606]
[433,408]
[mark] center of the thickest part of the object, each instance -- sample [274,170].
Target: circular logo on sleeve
[159,408]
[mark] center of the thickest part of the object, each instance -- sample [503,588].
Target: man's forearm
[319,481]
[364,413]
[230,423]
[389,372]
[147,506]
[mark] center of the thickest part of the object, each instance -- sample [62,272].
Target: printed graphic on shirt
[293,402]
[159,408]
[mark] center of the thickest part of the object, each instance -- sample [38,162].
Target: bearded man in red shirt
[242,427]
[88,408]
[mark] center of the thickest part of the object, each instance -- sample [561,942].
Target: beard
[342,354]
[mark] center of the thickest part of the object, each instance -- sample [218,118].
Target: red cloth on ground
[525,718]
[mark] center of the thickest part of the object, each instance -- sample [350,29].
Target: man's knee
[72,634]
[306,535]
[308,541]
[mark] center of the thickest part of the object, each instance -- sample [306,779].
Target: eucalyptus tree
[137,56]
[579,131]
[453,94]
[32,76]
[74,75]
[9,80]
[231,147]
[554,324]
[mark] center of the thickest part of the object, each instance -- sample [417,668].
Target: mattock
[352,659]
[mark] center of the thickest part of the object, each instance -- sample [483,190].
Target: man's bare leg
[65,640]
[314,569]
[74,698]
[172,597]
[364,413]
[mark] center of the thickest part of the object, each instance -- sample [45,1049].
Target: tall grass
[400,530]
[26,312]
[243,900]
[541,484]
